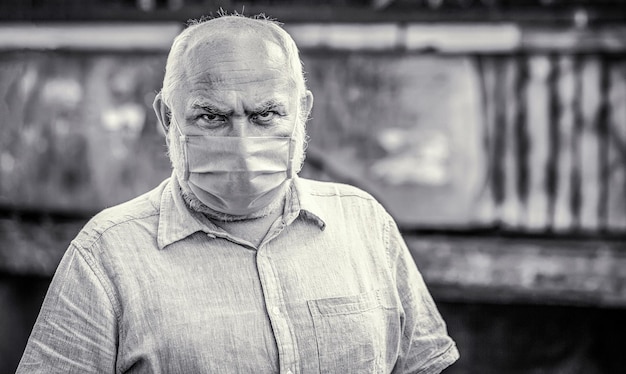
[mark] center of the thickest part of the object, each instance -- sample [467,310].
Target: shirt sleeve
[76,330]
[426,347]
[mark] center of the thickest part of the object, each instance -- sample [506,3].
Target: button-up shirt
[151,286]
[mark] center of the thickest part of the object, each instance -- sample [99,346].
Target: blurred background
[494,131]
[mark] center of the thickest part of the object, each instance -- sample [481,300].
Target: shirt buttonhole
[211,236]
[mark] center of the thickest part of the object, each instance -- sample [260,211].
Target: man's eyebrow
[268,105]
[211,108]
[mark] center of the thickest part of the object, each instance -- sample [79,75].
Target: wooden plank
[577,113]
[589,158]
[538,218]
[513,212]
[563,220]
[456,268]
[462,38]
[522,137]
[616,220]
[485,211]
[382,33]
[380,36]
[554,138]
[522,270]
[550,39]
[603,126]
[90,37]
[499,139]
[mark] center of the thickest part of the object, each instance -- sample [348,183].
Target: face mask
[236,175]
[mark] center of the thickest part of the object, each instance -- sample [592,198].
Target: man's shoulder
[123,219]
[334,190]
[332,197]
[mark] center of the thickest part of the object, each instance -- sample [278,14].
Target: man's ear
[162,113]
[307,103]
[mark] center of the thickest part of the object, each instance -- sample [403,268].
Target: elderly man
[235,264]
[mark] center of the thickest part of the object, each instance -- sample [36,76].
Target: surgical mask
[236,175]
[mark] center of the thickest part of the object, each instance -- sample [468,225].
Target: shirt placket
[276,307]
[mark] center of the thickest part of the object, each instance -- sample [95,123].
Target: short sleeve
[426,347]
[76,330]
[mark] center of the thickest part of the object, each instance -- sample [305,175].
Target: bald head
[228,38]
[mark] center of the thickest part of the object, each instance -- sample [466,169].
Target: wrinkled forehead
[231,54]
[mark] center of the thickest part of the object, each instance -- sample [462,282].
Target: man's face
[236,88]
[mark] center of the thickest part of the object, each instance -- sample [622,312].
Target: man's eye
[264,116]
[211,117]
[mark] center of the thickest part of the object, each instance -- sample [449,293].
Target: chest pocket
[356,334]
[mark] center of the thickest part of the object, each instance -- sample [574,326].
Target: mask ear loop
[183,145]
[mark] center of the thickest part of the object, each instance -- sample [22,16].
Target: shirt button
[289,372]
[276,311]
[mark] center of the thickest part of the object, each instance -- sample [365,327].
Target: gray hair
[174,74]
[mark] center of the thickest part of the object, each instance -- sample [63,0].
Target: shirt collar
[177,221]
[303,205]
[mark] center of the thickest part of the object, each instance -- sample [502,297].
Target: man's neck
[251,230]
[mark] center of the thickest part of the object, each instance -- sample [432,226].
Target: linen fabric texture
[150,286]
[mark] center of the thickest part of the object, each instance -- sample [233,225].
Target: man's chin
[196,205]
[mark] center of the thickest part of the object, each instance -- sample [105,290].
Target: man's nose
[239,126]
